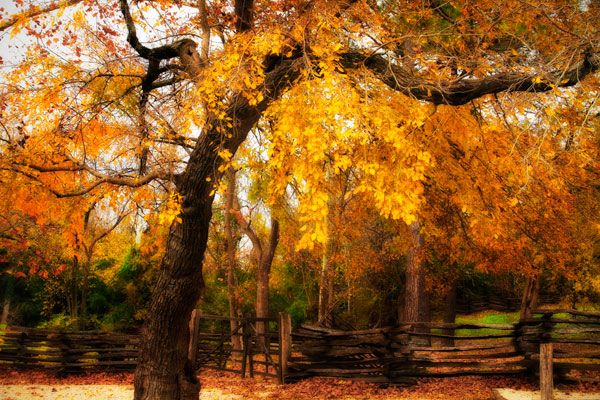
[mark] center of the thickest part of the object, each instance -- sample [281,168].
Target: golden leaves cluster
[336,126]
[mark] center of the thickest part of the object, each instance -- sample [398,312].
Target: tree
[230,198]
[416,302]
[92,235]
[387,57]
[264,252]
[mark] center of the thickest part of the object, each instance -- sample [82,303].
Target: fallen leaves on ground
[226,385]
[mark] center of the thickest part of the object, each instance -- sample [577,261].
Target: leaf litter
[217,385]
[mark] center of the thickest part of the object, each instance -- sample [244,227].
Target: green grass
[489,317]
[486,317]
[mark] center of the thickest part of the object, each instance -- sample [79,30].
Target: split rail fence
[211,340]
[397,355]
[68,351]
[401,354]
[246,349]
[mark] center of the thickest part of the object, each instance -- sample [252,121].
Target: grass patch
[489,317]
[486,317]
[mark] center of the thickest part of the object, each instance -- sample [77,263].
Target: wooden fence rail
[213,347]
[404,353]
[397,355]
[259,354]
[68,351]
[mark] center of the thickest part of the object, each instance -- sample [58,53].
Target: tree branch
[34,12]
[246,229]
[205,47]
[243,12]
[459,92]
[132,182]
[165,52]
[108,230]
[272,245]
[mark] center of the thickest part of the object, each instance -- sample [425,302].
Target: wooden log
[576,354]
[447,374]
[578,366]
[590,341]
[595,314]
[537,321]
[446,356]
[546,377]
[462,348]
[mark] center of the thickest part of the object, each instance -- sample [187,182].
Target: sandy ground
[511,394]
[80,392]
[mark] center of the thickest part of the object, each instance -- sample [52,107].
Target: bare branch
[273,240]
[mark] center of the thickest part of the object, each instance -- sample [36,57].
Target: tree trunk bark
[236,340]
[324,283]
[530,297]
[450,315]
[163,372]
[8,294]
[84,290]
[262,287]
[327,272]
[416,300]
[74,316]
[5,311]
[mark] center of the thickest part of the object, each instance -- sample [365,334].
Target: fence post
[546,379]
[285,344]
[193,344]
[250,333]
[21,347]
[246,343]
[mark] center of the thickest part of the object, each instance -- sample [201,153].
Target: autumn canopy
[469,128]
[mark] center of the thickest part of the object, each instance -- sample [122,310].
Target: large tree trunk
[84,289]
[74,316]
[416,300]
[450,315]
[236,340]
[8,294]
[262,284]
[326,287]
[530,297]
[162,372]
